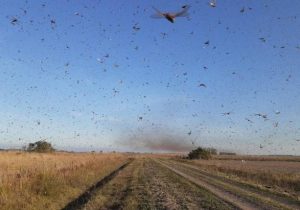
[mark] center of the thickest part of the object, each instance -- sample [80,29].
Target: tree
[200,153]
[212,151]
[40,146]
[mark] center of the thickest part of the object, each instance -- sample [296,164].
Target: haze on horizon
[106,75]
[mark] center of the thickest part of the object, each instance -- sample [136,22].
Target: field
[40,181]
[140,181]
[280,175]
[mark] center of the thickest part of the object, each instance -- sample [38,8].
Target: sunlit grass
[50,181]
[277,174]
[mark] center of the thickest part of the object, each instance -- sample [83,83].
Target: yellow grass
[283,175]
[289,158]
[50,181]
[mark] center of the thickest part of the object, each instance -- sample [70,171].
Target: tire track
[158,187]
[225,194]
[278,199]
[114,194]
[80,201]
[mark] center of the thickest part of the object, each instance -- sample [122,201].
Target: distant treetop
[40,146]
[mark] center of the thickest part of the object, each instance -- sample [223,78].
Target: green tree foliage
[40,146]
[200,153]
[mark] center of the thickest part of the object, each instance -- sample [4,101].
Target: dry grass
[49,181]
[289,158]
[280,175]
[273,167]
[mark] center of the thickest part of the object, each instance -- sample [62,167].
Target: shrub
[212,151]
[200,153]
[40,146]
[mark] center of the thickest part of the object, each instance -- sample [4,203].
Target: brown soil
[145,184]
[243,195]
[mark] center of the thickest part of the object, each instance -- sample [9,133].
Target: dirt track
[87,195]
[240,194]
[165,184]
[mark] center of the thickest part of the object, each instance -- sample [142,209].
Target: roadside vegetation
[275,174]
[50,180]
[201,153]
[288,182]
[289,158]
[239,193]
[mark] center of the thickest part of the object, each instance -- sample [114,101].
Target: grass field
[289,158]
[132,181]
[268,172]
[49,181]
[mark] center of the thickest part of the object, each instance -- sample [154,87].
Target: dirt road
[147,183]
[240,194]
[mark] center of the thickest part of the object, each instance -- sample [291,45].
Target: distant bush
[212,151]
[200,153]
[40,146]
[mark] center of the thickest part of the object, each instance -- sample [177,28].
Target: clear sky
[92,75]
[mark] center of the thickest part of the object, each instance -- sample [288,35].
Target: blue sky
[90,75]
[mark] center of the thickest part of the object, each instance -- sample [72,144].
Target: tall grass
[49,181]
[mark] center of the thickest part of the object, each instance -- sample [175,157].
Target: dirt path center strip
[86,196]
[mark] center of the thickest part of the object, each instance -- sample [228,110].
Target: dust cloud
[158,141]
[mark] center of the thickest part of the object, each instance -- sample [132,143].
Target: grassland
[288,158]
[274,173]
[131,181]
[49,181]
[243,194]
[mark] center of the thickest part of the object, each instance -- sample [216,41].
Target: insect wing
[183,13]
